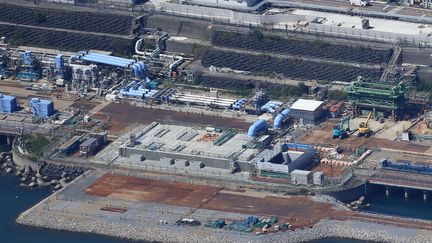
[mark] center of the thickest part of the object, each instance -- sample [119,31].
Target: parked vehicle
[359,3]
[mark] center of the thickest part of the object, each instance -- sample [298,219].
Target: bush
[36,144]
[337,95]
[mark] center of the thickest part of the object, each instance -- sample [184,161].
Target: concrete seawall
[23,161]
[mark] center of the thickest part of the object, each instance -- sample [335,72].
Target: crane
[364,129]
[339,130]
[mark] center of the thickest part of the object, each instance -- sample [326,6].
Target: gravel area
[141,231]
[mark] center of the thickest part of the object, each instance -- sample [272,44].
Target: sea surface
[16,199]
[396,204]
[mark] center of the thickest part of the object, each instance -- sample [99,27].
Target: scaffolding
[377,97]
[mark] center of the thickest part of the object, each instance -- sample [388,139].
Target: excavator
[364,129]
[339,130]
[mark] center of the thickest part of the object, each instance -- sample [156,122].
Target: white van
[359,3]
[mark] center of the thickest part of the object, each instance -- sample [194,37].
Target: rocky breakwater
[45,174]
[125,230]
[358,230]
[152,232]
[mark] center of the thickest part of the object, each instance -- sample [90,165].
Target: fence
[15,127]
[106,4]
[229,17]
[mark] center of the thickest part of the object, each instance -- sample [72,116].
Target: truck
[359,3]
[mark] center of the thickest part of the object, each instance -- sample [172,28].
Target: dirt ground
[124,115]
[329,171]
[323,135]
[299,209]
[86,104]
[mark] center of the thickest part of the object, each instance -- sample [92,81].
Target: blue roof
[42,101]
[7,97]
[108,60]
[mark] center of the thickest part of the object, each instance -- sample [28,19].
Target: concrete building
[284,158]
[230,150]
[230,4]
[172,144]
[308,111]
[318,178]
[301,177]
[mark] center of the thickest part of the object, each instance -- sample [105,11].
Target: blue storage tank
[27,57]
[143,69]
[59,61]
[258,126]
[42,108]
[8,103]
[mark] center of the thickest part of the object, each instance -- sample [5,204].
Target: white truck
[359,3]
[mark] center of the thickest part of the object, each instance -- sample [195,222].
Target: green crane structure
[385,97]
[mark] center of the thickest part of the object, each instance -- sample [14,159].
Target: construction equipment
[364,129]
[339,130]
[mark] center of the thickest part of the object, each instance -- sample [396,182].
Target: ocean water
[16,199]
[395,204]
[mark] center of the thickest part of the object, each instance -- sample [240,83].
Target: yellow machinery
[364,129]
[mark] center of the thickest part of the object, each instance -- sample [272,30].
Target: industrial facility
[229,150]
[194,113]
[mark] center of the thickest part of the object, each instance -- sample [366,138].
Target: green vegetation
[40,17]
[36,143]
[198,50]
[337,95]
[287,91]
[256,34]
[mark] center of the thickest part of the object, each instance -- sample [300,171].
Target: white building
[227,3]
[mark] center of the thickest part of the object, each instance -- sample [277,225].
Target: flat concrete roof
[175,138]
[301,172]
[306,105]
[381,25]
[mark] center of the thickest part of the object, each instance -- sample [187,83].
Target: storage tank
[59,61]
[42,108]
[7,103]
[258,126]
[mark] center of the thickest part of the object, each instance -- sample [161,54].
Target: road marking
[386,7]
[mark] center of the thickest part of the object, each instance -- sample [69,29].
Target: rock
[8,169]
[58,186]
[40,181]
[28,169]
[33,184]
[63,182]
[24,179]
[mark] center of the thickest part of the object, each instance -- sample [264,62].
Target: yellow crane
[364,129]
